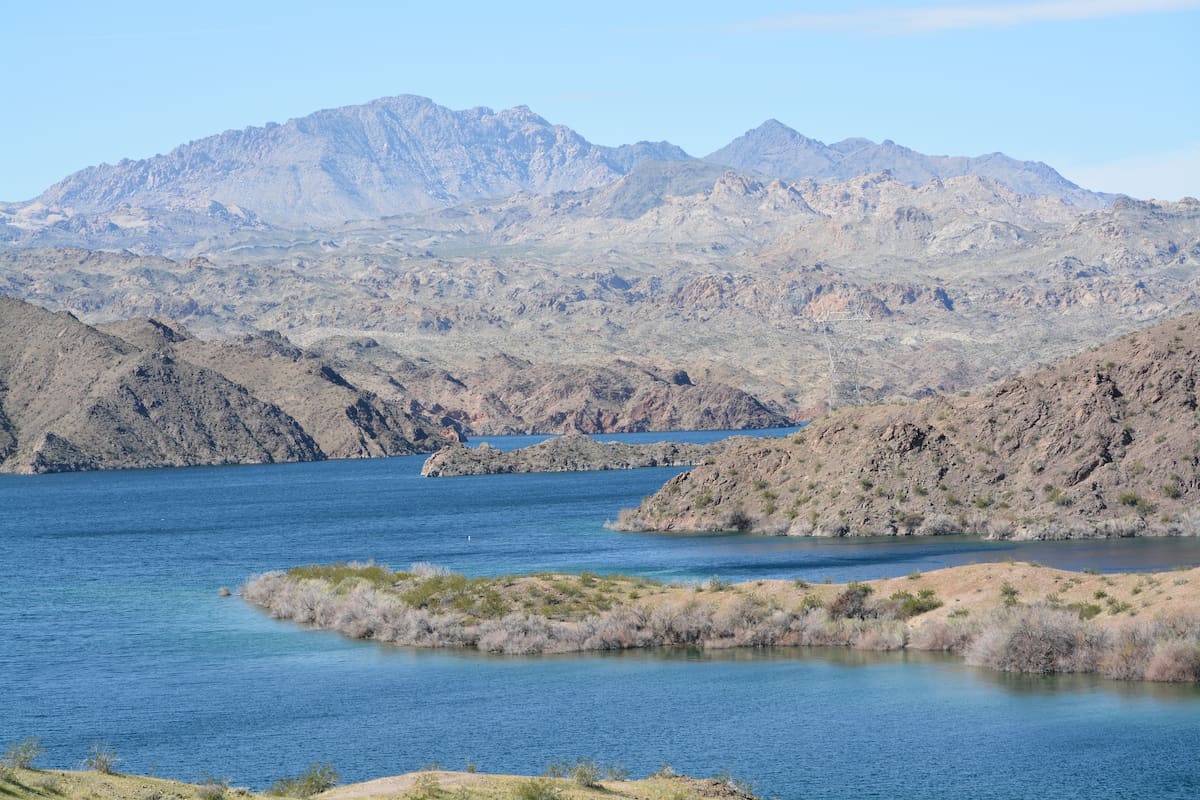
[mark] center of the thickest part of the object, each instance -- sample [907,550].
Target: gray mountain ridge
[777,150]
[386,157]
[402,154]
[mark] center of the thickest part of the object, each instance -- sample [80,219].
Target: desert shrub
[102,758]
[537,789]
[742,787]
[1175,660]
[518,634]
[1128,653]
[852,602]
[910,605]
[426,786]
[951,636]
[941,525]
[880,636]
[211,788]
[616,772]
[737,617]
[344,573]
[316,778]
[1037,639]
[1009,593]
[424,569]
[585,772]
[22,754]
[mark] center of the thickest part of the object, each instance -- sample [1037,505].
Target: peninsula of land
[1008,616]
[570,453]
[581,780]
[1103,444]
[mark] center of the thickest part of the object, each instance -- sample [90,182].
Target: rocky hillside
[571,453]
[523,239]
[775,149]
[142,394]
[500,394]
[964,282]
[1103,444]
[75,398]
[346,421]
[392,155]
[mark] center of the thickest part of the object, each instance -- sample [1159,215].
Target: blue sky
[1106,91]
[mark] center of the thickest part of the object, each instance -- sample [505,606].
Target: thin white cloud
[1167,175]
[933,19]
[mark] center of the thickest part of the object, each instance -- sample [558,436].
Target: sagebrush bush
[22,754]
[537,789]
[1037,639]
[1175,660]
[951,636]
[316,778]
[102,758]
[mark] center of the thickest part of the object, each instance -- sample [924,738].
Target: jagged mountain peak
[388,156]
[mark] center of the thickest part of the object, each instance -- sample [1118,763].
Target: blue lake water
[111,629]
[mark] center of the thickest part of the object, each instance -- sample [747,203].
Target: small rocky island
[574,452]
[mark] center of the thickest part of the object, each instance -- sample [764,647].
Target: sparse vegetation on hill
[1006,616]
[1106,443]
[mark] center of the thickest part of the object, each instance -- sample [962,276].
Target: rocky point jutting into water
[1103,444]
[572,453]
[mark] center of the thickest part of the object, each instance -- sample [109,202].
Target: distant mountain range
[386,157]
[403,154]
[598,271]
[775,149]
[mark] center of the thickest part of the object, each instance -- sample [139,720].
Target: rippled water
[112,630]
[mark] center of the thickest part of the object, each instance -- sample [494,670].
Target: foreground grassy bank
[36,784]
[1009,616]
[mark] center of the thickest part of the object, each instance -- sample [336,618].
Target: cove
[113,630]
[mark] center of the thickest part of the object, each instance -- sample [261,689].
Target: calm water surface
[111,629]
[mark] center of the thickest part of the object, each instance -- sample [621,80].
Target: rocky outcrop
[501,395]
[75,398]
[571,453]
[347,422]
[145,394]
[1103,444]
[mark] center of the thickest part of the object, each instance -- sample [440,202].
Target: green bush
[22,754]
[315,779]
[1085,610]
[911,605]
[585,772]
[537,789]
